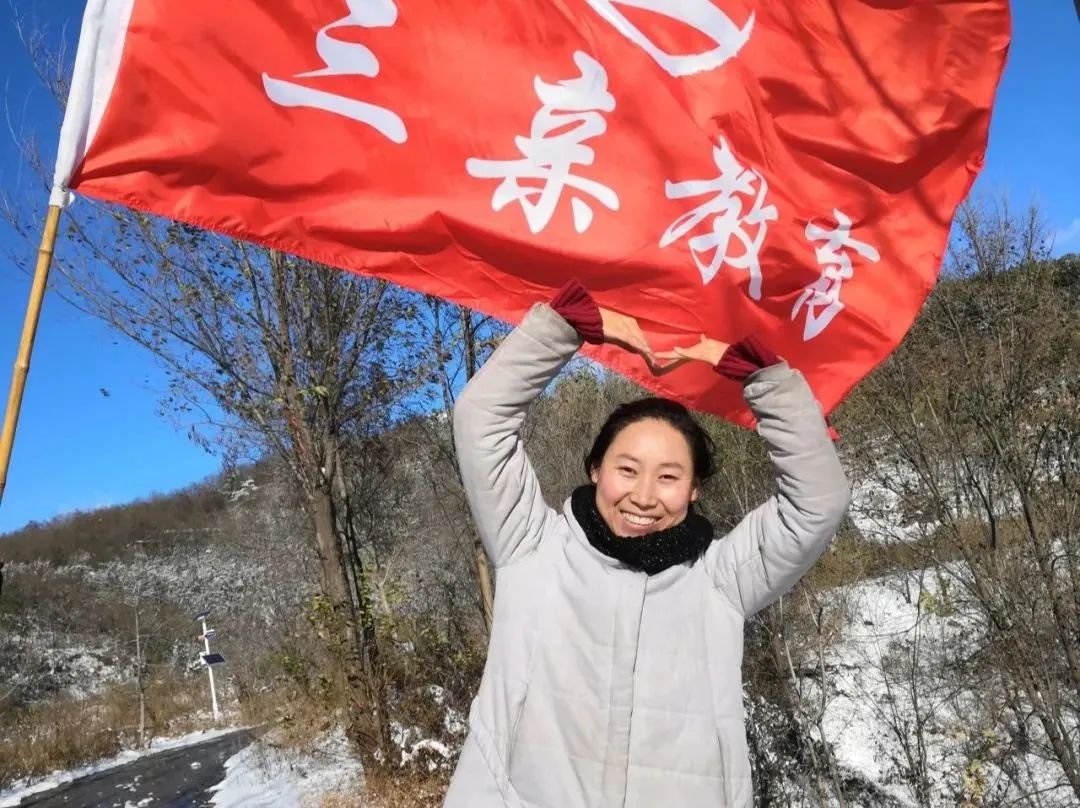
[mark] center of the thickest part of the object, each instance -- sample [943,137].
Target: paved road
[177,778]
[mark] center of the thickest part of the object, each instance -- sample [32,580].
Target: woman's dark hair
[670,412]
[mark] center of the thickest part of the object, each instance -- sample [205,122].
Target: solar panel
[212,659]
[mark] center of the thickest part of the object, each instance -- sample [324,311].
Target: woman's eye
[669,478]
[626,470]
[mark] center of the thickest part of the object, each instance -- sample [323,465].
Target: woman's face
[645,482]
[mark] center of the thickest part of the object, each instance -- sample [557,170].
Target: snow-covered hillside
[895,709]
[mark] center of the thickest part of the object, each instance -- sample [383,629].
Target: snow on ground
[409,740]
[263,776]
[878,513]
[431,753]
[880,622]
[13,796]
[888,670]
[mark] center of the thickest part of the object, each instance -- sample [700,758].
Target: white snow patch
[261,776]
[454,722]
[412,745]
[13,796]
[870,693]
[877,511]
[245,490]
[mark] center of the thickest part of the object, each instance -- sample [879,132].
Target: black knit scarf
[652,553]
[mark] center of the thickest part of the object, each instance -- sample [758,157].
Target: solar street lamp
[210,660]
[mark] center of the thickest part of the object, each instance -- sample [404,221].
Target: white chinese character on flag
[572,111]
[821,299]
[700,15]
[713,249]
[343,57]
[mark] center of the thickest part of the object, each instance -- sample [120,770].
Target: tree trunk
[366,638]
[483,566]
[331,563]
[363,692]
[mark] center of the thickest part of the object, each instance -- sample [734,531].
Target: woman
[614,675]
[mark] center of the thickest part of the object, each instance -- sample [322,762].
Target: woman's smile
[638,520]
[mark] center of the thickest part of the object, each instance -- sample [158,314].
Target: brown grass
[389,789]
[64,734]
[339,801]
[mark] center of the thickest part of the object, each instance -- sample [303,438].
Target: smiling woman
[614,671]
[646,464]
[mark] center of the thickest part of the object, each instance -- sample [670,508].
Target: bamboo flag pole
[26,343]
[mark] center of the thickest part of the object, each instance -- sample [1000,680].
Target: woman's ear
[695,492]
[594,475]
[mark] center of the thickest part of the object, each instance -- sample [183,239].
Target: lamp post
[210,660]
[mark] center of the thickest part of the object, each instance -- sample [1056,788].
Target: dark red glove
[744,357]
[575,305]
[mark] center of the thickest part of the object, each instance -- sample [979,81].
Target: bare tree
[461,339]
[266,355]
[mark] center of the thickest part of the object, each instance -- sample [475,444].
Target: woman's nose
[644,493]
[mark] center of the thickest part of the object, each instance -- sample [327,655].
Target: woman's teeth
[640,521]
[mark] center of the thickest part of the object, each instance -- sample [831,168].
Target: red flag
[788,168]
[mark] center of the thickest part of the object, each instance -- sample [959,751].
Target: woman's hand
[707,350]
[624,331]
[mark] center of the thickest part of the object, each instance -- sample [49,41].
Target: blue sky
[80,449]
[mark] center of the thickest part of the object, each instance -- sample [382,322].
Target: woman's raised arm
[776,543]
[501,486]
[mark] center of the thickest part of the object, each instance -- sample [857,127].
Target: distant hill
[110,532]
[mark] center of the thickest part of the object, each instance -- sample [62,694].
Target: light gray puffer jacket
[606,687]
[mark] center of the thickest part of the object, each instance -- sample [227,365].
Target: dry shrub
[262,707]
[301,711]
[64,734]
[300,685]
